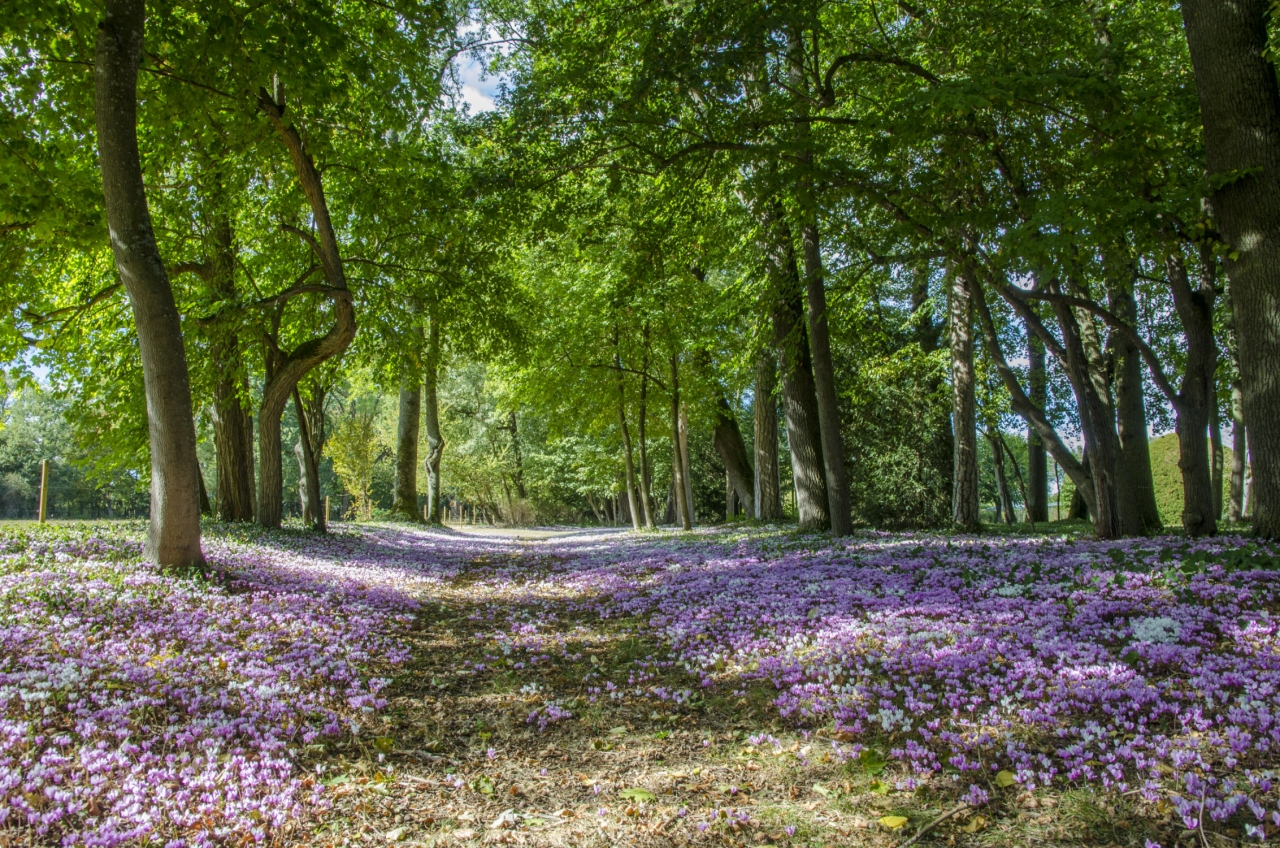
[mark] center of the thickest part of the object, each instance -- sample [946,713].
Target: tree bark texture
[431,422]
[1131,415]
[824,380]
[1196,394]
[310,415]
[174,534]
[687,461]
[642,435]
[1037,461]
[799,396]
[405,495]
[726,437]
[767,488]
[1003,496]
[628,457]
[1240,110]
[964,493]
[232,416]
[288,368]
[1239,454]
[684,509]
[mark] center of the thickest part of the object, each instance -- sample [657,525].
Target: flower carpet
[393,684]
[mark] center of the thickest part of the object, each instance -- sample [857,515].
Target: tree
[174,537]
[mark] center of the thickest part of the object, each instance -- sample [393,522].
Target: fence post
[44,490]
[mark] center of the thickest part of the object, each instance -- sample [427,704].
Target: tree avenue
[848,266]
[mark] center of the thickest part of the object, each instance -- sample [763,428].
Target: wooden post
[44,490]
[424,513]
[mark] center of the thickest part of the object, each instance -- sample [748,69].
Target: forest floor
[741,686]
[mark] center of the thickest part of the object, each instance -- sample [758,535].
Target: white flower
[1156,630]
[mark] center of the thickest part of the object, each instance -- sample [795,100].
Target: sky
[478,89]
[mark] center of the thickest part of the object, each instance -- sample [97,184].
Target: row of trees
[889,228]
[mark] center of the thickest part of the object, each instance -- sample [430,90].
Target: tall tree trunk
[174,534]
[964,493]
[1131,414]
[1239,454]
[1240,109]
[767,489]
[288,368]
[1216,459]
[405,494]
[684,511]
[800,401]
[646,471]
[517,475]
[687,462]
[730,498]
[1195,395]
[726,437]
[310,443]
[824,379]
[232,418]
[1004,500]
[627,455]
[1037,462]
[431,421]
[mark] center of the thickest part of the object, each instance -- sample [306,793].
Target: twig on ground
[931,825]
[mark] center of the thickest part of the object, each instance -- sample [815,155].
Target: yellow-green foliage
[1168,478]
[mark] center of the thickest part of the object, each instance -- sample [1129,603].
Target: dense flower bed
[137,704]
[134,703]
[1147,665]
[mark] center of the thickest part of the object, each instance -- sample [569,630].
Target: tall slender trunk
[1240,110]
[726,437]
[288,368]
[800,401]
[1004,499]
[1131,414]
[627,455]
[1195,395]
[310,415]
[1216,459]
[687,462]
[1239,455]
[405,490]
[232,418]
[964,493]
[730,498]
[174,534]
[642,418]
[684,512]
[517,474]
[1037,462]
[431,421]
[767,488]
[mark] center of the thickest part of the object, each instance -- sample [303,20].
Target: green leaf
[894,822]
[873,762]
[1005,779]
[637,794]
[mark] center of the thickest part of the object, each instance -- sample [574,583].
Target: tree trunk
[767,489]
[684,513]
[1216,459]
[1037,462]
[517,475]
[1131,415]
[646,472]
[627,456]
[232,418]
[1239,456]
[1004,500]
[431,421]
[964,493]
[824,379]
[1195,395]
[206,508]
[730,498]
[727,440]
[288,368]
[405,494]
[174,534]
[687,461]
[310,442]
[800,401]
[1240,109]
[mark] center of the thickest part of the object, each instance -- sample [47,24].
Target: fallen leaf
[506,819]
[395,835]
[637,794]
[464,834]
[1005,779]
[976,824]
[821,790]
[893,822]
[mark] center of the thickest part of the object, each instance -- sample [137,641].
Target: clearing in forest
[384,684]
